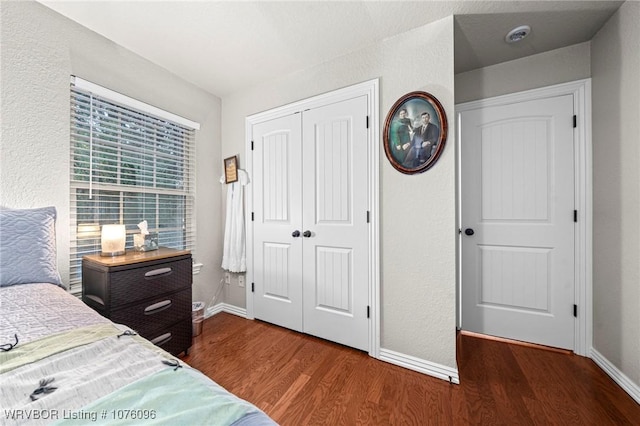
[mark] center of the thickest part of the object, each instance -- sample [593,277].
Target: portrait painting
[415,132]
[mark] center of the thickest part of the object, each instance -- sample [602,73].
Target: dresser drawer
[174,339]
[155,313]
[135,284]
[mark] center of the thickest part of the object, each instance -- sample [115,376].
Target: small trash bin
[197,316]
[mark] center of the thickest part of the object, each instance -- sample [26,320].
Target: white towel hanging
[234,257]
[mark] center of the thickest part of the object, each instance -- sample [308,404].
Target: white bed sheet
[33,311]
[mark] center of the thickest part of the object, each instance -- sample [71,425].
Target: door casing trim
[370,89]
[583,197]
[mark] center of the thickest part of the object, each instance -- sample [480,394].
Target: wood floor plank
[302,380]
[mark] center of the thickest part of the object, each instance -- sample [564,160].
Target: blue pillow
[28,247]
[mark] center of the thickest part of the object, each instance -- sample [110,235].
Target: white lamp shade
[113,240]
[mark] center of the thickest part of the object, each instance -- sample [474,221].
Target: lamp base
[112,253]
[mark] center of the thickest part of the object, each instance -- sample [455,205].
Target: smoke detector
[517,34]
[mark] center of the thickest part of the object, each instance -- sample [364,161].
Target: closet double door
[310,222]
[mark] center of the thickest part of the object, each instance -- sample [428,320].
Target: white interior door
[310,227]
[335,255]
[517,195]
[277,201]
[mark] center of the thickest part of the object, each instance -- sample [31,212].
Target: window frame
[167,140]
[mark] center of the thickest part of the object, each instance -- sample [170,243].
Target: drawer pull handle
[161,339]
[157,307]
[157,272]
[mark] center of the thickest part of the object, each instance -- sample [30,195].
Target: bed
[63,363]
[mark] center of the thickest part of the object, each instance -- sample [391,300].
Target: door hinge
[253,287]
[575,215]
[367,216]
[367,121]
[575,311]
[575,121]
[251,145]
[252,217]
[368,311]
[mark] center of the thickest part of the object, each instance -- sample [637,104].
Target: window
[129,162]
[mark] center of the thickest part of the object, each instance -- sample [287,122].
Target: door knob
[469,231]
[306,234]
[295,234]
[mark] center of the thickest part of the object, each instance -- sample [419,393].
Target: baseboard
[633,389]
[420,365]
[224,307]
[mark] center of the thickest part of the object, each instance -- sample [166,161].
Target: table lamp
[113,240]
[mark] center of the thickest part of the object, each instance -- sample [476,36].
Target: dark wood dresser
[150,292]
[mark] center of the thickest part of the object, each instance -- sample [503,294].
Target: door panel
[515,159]
[277,202]
[515,276]
[334,284]
[518,197]
[335,256]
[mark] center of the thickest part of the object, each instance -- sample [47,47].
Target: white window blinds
[129,162]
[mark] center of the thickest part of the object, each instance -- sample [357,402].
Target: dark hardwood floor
[301,380]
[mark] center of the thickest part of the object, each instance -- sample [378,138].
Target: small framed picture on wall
[231,169]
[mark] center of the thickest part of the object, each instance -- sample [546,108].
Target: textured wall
[615,68]
[544,69]
[418,262]
[40,50]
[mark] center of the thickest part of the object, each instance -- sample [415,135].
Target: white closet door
[335,200]
[311,236]
[518,198]
[277,201]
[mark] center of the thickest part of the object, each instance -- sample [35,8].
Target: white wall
[615,70]
[40,50]
[417,211]
[562,65]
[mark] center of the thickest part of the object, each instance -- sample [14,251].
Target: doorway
[524,215]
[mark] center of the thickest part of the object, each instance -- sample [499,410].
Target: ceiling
[224,46]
